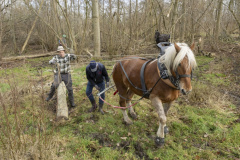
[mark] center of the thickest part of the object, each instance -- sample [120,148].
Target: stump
[62,108]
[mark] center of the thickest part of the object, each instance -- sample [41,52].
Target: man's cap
[64,35]
[60,48]
[93,66]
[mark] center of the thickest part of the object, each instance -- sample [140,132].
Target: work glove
[98,88]
[52,61]
[107,85]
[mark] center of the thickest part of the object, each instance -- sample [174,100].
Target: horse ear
[177,47]
[192,46]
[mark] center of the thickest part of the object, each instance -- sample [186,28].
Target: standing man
[62,73]
[96,74]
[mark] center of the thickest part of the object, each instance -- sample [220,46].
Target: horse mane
[171,59]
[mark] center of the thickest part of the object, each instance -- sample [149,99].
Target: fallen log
[62,108]
[7,59]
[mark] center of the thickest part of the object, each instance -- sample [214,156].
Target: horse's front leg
[166,107]
[157,103]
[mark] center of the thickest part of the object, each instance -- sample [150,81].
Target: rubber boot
[50,95]
[71,100]
[72,107]
[94,106]
[100,109]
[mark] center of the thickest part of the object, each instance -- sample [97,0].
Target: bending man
[96,74]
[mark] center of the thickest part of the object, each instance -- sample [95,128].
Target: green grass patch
[4,87]
[197,130]
[216,79]
[203,60]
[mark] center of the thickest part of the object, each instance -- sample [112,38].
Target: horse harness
[146,92]
[163,75]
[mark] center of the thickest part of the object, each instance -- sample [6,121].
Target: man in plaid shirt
[62,73]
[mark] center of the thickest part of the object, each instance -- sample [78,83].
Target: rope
[118,106]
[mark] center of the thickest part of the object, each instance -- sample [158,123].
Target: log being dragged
[62,108]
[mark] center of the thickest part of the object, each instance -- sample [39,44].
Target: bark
[174,15]
[62,108]
[219,15]
[13,28]
[183,22]
[1,36]
[234,15]
[27,57]
[96,27]
[136,20]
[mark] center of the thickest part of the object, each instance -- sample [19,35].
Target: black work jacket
[98,76]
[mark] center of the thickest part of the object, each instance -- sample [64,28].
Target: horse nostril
[183,91]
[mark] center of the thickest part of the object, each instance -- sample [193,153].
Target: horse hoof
[133,115]
[159,141]
[166,130]
[127,122]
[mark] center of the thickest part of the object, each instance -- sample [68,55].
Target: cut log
[28,57]
[62,108]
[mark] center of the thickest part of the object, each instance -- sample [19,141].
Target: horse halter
[178,77]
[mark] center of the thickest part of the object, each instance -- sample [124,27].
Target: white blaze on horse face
[184,88]
[185,82]
[157,103]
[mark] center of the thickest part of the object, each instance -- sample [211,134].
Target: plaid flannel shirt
[63,63]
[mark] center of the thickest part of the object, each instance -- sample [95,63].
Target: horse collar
[164,75]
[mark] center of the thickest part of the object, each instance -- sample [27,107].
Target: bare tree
[96,27]
[218,21]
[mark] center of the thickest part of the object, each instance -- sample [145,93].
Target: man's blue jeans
[90,88]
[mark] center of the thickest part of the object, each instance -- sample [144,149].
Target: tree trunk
[1,37]
[183,22]
[219,14]
[30,32]
[174,14]
[234,15]
[136,20]
[96,27]
[27,57]
[13,29]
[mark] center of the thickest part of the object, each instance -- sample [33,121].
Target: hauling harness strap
[146,92]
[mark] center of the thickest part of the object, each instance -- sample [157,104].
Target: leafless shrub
[24,123]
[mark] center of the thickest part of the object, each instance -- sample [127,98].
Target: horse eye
[179,64]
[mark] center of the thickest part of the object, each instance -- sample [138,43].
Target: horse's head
[183,65]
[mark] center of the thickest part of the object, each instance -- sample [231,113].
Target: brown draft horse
[178,59]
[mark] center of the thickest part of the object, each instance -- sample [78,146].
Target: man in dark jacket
[62,73]
[96,74]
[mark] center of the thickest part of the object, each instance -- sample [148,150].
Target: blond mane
[171,59]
